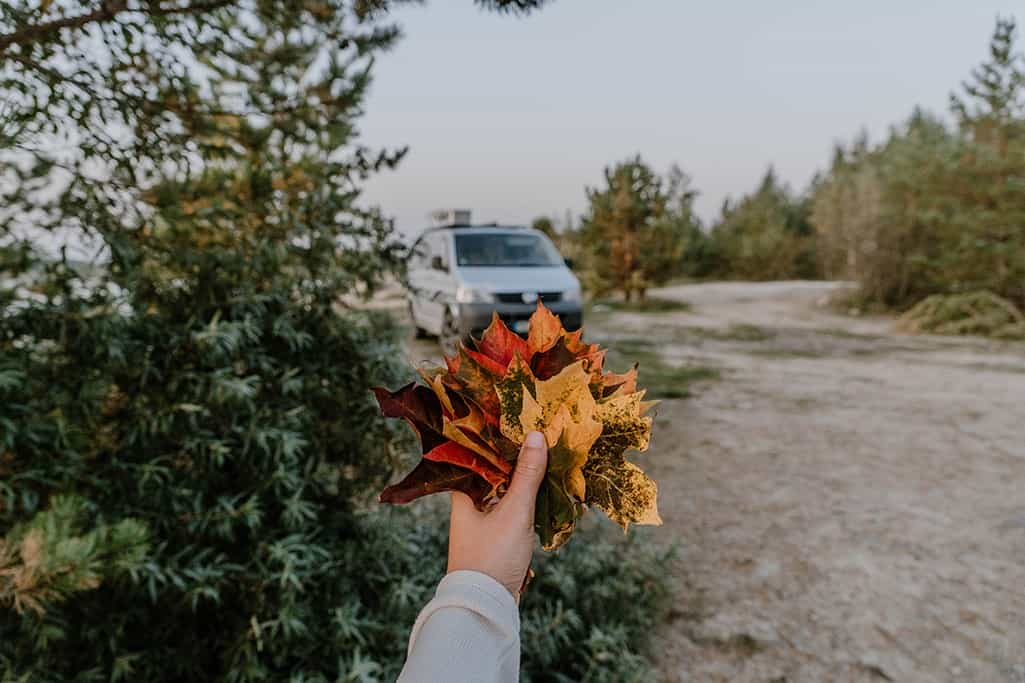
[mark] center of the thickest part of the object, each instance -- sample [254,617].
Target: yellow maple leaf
[615,485]
[578,429]
[567,391]
[622,491]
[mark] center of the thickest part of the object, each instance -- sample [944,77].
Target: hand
[499,542]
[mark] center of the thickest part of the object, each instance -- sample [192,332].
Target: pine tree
[984,195]
[932,210]
[675,244]
[994,96]
[765,235]
[545,225]
[637,228]
[845,213]
[186,439]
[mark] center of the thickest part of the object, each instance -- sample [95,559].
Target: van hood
[520,279]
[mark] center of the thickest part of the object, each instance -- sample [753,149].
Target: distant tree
[545,225]
[636,229]
[984,191]
[568,224]
[933,210]
[765,235]
[566,236]
[865,211]
[516,6]
[677,244]
[992,106]
[845,210]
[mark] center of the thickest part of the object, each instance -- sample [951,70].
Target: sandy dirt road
[849,502]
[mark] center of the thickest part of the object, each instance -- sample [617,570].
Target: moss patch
[741,332]
[661,379]
[649,305]
[786,352]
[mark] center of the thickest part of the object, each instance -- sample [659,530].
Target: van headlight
[571,294]
[469,295]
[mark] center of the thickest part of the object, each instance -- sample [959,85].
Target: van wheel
[450,335]
[421,333]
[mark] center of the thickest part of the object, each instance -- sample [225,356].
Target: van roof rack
[458,226]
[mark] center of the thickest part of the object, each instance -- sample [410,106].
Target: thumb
[529,473]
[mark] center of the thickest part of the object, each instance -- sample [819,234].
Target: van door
[447,275]
[436,279]
[419,263]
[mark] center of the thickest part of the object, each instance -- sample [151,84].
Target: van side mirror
[568,262]
[437,263]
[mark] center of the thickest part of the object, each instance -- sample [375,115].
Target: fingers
[528,475]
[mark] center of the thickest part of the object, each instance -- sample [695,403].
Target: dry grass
[659,378]
[647,305]
[978,313]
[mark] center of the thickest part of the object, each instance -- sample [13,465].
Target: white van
[460,274]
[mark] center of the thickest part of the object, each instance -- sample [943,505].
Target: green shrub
[214,464]
[214,510]
[980,313]
[187,444]
[590,613]
[185,428]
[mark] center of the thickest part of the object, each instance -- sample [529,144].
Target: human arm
[469,631]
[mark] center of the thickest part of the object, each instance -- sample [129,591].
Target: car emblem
[529,297]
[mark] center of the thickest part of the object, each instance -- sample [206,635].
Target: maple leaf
[435,477]
[616,486]
[419,407]
[560,498]
[473,414]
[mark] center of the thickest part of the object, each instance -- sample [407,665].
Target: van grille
[517,297]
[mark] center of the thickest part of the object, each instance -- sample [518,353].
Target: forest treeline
[935,208]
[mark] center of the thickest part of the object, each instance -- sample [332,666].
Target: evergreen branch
[90,88]
[33,33]
[106,12]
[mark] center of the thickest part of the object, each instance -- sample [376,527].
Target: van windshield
[505,249]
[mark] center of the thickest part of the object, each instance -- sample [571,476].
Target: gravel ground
[850,502]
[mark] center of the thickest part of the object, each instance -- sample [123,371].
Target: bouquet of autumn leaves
[473,414]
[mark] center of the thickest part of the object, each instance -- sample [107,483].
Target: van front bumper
[473,319]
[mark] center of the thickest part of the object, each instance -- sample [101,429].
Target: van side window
[439,247]
[420,256]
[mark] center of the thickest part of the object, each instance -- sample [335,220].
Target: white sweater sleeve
[469,632]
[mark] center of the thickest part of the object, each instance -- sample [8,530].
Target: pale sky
[513,117]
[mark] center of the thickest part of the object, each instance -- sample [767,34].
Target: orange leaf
[487,363]
[501,344]
[517,382]
[545,330]
[625,383]
[438,387]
